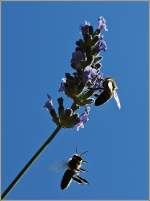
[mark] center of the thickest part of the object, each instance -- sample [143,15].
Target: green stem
[26,167]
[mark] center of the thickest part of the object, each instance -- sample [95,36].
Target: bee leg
[78,171]
[78,180]
[82,170]
[83,180]
[84,161]
[98,88]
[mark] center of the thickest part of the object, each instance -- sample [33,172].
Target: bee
[73,171]
[108,88]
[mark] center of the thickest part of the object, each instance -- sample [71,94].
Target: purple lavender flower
[49,103]
[62,85]
[102,24]
[98,84]
[102,44]
[77,57]
[83,118]
[89,74]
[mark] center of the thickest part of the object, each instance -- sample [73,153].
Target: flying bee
[73,171]
[109,90]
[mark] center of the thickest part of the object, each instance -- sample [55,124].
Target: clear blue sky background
[37,43]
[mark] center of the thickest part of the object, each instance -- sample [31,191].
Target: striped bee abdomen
[66,179]
[102,98]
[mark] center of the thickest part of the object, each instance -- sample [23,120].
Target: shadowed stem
[26,167]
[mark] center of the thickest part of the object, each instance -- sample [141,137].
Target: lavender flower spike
[83,118]
[49,103]
[102,24]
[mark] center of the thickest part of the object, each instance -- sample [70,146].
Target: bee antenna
[83,153]
[76,150]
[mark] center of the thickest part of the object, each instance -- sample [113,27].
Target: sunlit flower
[102,24]
[83,118]
[102,44]
[98,82]
[62,85]
[89,74]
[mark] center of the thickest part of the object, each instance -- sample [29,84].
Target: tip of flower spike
[62,85]
[86,30]
[49,103]
[87,23]
[102,23]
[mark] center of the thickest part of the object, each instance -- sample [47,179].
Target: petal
[62,85]
[102,23]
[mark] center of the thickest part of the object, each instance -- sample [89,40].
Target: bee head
[110,84]
[77,157]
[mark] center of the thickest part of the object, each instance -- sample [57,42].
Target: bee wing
[58,166]
[84,181]
[66,180]
[102,98]
[116,97]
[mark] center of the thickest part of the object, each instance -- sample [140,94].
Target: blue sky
[38,39]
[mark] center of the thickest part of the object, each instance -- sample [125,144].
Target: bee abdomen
[66,179]
[102,98]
